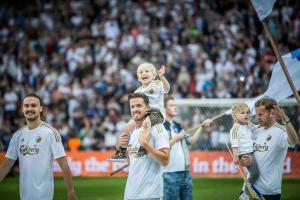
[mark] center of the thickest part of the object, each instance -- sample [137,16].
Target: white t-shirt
[155,92]
[36,149]
[241,137]
[176,160]
[270,147]
[145,174]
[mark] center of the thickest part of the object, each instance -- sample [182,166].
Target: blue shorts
[178,185]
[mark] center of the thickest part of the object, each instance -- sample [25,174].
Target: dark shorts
[155,116]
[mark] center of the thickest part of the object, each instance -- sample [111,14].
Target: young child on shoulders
[154,90]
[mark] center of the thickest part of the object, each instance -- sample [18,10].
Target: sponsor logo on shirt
[260,147]
[138,152]
[131,149]
[24,149]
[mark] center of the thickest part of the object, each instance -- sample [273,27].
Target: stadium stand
[81,56]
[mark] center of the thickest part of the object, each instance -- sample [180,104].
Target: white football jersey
[241,138]
[155,92]
[145,179]
[36,149]
[270,149]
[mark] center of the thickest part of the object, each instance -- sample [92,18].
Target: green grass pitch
[112,188]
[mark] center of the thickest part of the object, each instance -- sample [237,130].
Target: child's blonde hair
[238,107]
[146,65]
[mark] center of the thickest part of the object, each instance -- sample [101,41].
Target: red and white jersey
[36,149]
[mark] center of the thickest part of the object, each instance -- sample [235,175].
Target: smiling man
[36,145]
[145,171]
[271,142]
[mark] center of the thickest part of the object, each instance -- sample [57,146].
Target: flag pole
[282,64]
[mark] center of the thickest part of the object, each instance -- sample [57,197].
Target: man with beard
[36,145]
[271,142]
[145,171]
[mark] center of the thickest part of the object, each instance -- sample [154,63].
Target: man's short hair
[266,102]
[35,96]
[139,95]
[166,99]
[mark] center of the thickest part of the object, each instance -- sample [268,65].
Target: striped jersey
[36,149]
[155,92]
[241,138]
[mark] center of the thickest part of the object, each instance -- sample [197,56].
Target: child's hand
[161,72]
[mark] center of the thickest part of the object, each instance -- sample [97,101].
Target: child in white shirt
[241,138]
[154,90]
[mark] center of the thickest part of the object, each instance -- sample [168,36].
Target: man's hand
[207,122]
[144,138]
[278,113]
[161,72]
[72,195]
[145,132]
[181,135]
[122,141]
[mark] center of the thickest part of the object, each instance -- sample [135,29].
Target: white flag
[263,7]
[279,88]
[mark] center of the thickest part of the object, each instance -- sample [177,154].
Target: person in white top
[177,177]
[36,146]
[154,90]
[241,138]
[271,142]
[145,171]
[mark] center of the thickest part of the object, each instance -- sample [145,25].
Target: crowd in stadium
[81,57]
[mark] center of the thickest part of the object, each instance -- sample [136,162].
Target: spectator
[62,52]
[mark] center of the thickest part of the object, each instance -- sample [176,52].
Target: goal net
[194,111]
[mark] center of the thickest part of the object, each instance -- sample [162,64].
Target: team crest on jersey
[22,140]
[151,91]
[269,137]
[38,139]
